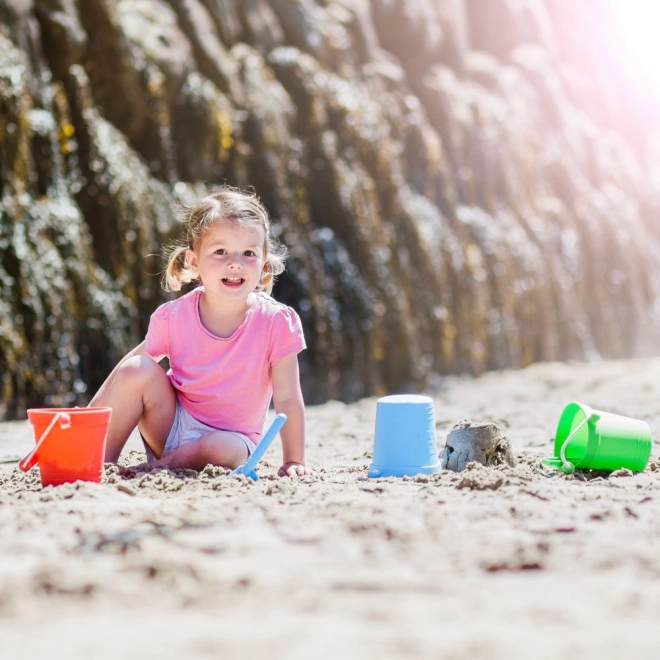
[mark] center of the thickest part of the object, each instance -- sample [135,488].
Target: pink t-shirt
[225,383]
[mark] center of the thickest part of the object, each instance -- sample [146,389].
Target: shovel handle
[260,449]
[31,459]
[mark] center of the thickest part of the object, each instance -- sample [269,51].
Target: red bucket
[70,444]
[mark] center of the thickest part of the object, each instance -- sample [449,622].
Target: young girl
[230,347]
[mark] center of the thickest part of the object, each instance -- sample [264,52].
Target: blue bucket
[404,444]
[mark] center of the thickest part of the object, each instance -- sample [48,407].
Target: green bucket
[598,440]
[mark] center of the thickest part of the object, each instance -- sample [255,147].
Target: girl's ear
[191,262]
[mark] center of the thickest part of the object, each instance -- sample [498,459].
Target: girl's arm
[288,399]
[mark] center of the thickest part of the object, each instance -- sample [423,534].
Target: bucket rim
[405,398]
[68,411]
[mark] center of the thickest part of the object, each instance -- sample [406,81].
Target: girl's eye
[249,253]
[221,251]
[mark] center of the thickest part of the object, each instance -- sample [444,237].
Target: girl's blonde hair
[223,204]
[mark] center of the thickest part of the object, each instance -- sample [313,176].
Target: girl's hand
[293,469]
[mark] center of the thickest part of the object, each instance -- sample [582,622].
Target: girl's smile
[233,282]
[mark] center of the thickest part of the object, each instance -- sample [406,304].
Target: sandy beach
[509,562]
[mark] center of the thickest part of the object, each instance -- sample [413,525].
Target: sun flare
[636,42]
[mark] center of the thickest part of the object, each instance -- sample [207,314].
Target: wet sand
[489,563]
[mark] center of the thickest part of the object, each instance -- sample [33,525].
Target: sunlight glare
[635,26]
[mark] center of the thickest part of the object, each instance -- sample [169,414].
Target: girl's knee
[217,450]
[140,369]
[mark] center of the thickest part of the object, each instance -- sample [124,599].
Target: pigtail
[177,271]
[267,280]
[276,254]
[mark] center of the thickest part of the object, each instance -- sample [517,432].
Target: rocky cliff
[454,192]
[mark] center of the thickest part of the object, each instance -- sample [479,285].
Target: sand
[506,562]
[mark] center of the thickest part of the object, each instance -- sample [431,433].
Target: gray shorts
[186,429]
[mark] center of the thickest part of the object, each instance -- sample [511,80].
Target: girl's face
[229,258]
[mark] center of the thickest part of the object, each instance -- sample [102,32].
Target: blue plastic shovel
[248,467]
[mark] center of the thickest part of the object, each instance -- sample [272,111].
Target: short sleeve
[157,342]
[286,335]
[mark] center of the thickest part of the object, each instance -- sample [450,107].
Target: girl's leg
[140,395]
[221,448]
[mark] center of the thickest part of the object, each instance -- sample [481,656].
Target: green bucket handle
[562,462]
[569,468]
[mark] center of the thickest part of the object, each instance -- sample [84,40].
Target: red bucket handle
[31,459]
